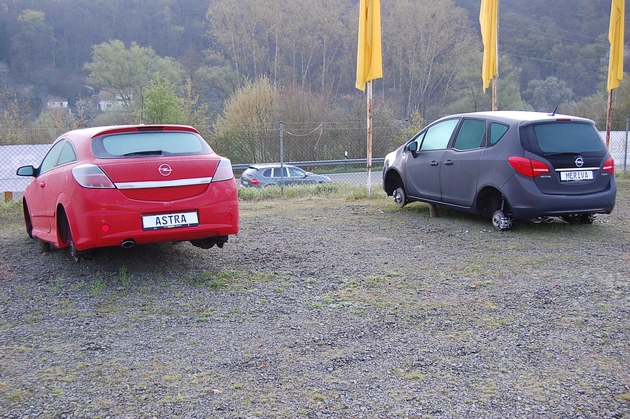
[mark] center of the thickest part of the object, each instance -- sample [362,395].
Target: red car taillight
[609,166]
[224,171]
[254,181]
[528,167]
[91,176]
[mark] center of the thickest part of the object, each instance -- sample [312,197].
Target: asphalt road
[359,178]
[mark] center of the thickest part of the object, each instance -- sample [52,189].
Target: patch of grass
[314,305]
[488,390]
[124,277]
[360,192]
[234,311]
[490,305]
[206,314]
[414,375]
[625,397]
[225,278]
[97,286]
[342,191]
[275,192]
[318,397]
[11,208]
[481,284]
[58,282]
[496,322]
[18,396]
[210,280]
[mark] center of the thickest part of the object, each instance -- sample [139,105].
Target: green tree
[161,104]
[54,122]
[425,44]
[33,46]
[127,71]
[194,113]
[245,131]
[547,95]
[469,96]
[12,121]
[216,83]
[593,107]
[291,43]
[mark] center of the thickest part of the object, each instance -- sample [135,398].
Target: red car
[128,185]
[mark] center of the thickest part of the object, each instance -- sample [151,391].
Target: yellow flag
[369,55]
[489,20]
[615,37]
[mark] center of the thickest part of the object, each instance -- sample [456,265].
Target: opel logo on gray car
[166,170]
[579,161]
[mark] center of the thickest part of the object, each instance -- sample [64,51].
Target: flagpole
[495,99]
[494,93]
[369,65]
[615,61]
[609,117]
[496,76]
[369,137]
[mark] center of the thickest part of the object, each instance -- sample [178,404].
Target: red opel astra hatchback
[128,185]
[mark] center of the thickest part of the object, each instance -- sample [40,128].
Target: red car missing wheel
[128,185]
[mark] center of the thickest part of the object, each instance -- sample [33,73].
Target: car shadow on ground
[451,218]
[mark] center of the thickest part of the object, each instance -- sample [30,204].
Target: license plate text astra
[180,219]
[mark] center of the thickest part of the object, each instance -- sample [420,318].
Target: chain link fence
[348,168]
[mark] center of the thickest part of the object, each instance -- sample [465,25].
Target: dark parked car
[259,175]
[506,166]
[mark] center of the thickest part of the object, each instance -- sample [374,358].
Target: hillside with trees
[235,68]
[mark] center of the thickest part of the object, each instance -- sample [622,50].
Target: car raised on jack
[506,166]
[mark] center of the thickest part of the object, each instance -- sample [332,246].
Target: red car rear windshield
[149,144]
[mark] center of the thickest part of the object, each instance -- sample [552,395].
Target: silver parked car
[506,166]
[259,175]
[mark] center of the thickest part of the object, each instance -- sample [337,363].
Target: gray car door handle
[448,162]
[434,163]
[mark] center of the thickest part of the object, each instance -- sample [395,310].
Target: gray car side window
[280,172]
[496,132]
[295,172]
[470,135]
[267,173]
[438,135]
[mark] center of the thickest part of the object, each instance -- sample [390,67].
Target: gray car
[259,175]
[506,166]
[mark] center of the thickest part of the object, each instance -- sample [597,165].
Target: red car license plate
[179,219]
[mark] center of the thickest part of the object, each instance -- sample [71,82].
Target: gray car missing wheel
[506,166]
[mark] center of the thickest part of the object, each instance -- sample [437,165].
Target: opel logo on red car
[165,169]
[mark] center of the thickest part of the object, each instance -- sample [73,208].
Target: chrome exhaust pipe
[127,244]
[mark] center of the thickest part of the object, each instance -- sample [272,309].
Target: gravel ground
[325,307]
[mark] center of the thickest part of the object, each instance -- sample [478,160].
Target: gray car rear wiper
[563,153]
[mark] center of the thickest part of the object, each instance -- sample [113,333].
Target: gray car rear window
[149,144]
[567,137]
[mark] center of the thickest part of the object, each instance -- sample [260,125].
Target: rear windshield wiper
[144,153]
[563,153]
